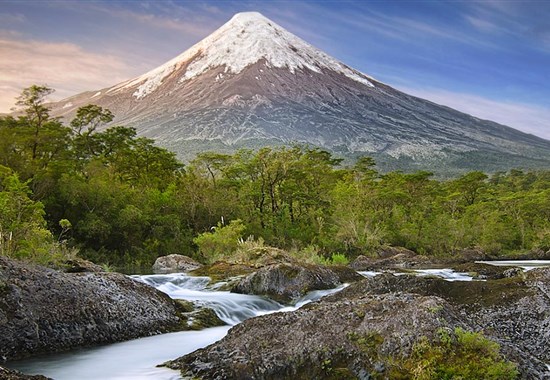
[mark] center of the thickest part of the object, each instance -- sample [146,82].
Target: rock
[510,310]
[481,271]
[469,255]
[365,329]
[44,311]
[80,265]
[222,271]
[386,251]
[203,318]
[175,263]
[404,260]
[286,282]
[10,374]
[347,338]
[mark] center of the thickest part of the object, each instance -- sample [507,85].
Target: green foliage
[129,201]
[222,242]
[23,232]
[339,259]
[460,355]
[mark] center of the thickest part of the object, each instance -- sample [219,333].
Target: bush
[339,259]
[222,242]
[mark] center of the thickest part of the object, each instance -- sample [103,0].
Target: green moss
[204,318]
[185,306]
[454,355]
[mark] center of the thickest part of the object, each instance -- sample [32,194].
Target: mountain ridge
[252,81]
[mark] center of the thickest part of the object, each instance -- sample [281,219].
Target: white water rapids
[137,359]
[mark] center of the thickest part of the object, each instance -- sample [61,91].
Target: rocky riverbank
[373,328]
[44,310]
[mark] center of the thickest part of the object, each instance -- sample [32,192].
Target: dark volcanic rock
[483,271]
[43,310]
[348,338]
[355,333]
[285,282]
[403,260]
[175,263]
[511,310]
[9,374]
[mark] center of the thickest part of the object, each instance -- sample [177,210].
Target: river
[137,359]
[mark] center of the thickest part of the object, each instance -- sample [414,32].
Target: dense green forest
[116,198]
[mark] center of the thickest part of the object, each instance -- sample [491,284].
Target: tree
[23,232]
[85,123]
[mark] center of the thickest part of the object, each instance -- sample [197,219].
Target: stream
[137,359]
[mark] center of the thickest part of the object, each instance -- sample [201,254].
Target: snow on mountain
[243,41]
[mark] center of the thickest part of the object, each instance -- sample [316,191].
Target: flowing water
[525,264]
[446,274]
[137,359]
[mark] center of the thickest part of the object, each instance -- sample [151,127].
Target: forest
[108,195]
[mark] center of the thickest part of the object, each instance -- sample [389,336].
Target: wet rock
[362,330]
[513,311]
[175,263]
[404,260]
[286,282]
[348,338]
[203,318]
[10,374]
[222,271]
[43,310]
[481,271]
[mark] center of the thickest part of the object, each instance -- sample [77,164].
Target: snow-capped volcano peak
[243,41]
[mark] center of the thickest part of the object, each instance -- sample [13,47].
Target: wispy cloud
[65,67]
[12,18]
[529,118]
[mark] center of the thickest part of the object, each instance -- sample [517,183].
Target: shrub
[339,259]
[458,355]
[222,242]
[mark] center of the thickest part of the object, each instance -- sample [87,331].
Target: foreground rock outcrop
[511,309]
[286,282]
[43,310]
[368,330]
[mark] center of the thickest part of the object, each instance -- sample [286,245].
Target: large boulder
[364,337]
[286,282]
[175,263]
[511,309]
[43,310]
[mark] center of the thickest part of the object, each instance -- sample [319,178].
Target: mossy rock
[204,318]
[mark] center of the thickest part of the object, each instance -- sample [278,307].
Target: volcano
[252,83]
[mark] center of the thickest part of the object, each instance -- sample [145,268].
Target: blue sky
[488,58]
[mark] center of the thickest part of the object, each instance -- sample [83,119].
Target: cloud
[63,66]
[529,118]
[482,24]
